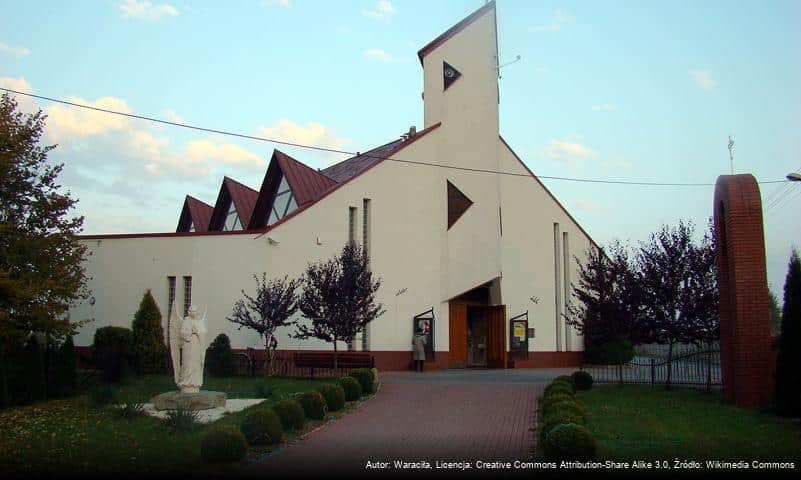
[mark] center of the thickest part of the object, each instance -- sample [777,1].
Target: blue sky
[631,90]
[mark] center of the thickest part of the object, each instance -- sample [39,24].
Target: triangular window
[458,203]
[192,227]
[232,219]
[283,203]
[449,75]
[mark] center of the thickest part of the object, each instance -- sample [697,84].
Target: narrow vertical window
[566,276]
[187,294]
[557,284]
[352,225]
[170,302]
[366,249]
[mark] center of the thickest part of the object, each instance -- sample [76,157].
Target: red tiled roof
[454,30]
[195,212]
[352,166]
[244,199]
[306,183]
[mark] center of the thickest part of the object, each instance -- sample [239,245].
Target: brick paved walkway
[419,420]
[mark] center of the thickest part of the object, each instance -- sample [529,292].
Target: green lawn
[71,437]
[649,423]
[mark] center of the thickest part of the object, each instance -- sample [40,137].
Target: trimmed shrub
[547,402]
[334,396]
[103,395]
[220,357]
[63,377]
[291,414]
[566,379]
[112,353]
[148,345]
[582,380]
[566,408]
[365,378]
[223,444]
[352,387]
[569,442]
[558,388]
[262,427]
[552,421]
[313,405]
[31,381]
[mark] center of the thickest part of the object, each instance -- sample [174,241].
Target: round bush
[223,444]
[334,396]
[551,421]
[557,388]
[546,403]
[262,427]
[352,387]
[569,442]
[582,380]
[566,379]
[365,378]
[566,408]
[313,405]
[291,414]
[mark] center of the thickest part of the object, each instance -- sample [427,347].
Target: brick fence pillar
[742,279]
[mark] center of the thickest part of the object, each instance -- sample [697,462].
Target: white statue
[188,349]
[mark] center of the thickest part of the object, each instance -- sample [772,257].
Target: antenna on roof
[731,157]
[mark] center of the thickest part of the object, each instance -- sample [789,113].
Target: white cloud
[378,54]
[17,51]
[703,78]
[383,11]
[170,115]
[559,21]
[312,133]
[208,152]
[145,10]
[25,104]
[605,107]
[588,205]
[65,122]
[561,149]
[277,3]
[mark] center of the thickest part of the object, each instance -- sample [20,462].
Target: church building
[487,259]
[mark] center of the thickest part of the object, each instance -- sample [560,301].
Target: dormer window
[232,219]
[283,202]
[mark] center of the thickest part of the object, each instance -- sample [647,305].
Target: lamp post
[794,177]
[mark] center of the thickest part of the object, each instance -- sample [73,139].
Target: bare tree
[339,298]
[272,307]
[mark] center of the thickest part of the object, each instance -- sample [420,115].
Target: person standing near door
[419,349]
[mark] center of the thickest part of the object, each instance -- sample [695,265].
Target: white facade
[509,233]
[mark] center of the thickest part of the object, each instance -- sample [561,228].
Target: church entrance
[477,331]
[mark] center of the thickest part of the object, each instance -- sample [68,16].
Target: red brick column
[742,280]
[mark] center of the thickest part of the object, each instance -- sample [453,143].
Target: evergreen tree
[220,357]
[31,380]
[63,376]
[149,348]
[787,391]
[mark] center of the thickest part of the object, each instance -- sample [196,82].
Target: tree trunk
[269,354]
[669,364]
[336,367]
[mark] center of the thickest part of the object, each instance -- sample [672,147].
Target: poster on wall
[423,324]
[518,332]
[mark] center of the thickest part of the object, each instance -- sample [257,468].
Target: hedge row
[562,427]
[267,425]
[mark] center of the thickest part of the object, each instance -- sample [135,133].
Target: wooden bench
[345,360]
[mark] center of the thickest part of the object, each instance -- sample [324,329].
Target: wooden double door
[477,335]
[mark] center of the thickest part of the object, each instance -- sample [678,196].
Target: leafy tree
[608,299]
[272,307]
[41,261]
[787,392]
[219,357]
[339,298]
[148,345]
[678,280]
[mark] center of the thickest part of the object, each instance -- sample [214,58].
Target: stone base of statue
[201,400]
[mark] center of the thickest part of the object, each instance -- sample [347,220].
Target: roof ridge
[464,23]
[360,154]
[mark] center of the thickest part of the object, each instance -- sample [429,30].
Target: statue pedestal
[201,400]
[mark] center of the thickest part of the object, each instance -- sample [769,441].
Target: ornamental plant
[148,345]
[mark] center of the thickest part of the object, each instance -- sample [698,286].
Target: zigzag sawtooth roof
[199,213]
[306,183]
[351,167]
[244,198]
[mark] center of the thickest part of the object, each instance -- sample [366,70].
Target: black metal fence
[688,365]
[253,363]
